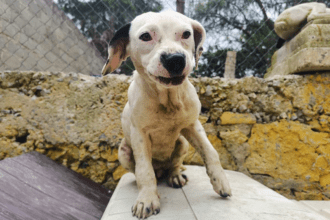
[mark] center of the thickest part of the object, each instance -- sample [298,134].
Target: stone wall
[36,35]
[274,130]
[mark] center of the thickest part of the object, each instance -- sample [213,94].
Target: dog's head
[164,46]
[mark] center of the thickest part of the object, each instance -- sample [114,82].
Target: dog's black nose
[173,63]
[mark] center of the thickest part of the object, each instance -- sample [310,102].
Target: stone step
[322,207]
[198,201]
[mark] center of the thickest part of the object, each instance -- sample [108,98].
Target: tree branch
[270,23]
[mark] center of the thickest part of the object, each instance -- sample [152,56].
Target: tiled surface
[322,207]
[197,200]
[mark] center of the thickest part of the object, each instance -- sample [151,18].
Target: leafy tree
[244,26]
[99,19]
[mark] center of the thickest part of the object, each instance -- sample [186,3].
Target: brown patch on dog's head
[199,38]
[117,50]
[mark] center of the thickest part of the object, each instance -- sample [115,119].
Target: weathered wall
[36,35]
[275,130]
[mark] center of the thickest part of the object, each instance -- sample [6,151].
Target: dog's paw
[220,184]
[145,205]
[177,180]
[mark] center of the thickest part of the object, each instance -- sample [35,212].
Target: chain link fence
[73,35]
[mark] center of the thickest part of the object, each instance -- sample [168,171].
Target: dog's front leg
[196,135]
[147,202]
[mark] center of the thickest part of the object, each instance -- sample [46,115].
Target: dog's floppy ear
[199,38]
[117,50]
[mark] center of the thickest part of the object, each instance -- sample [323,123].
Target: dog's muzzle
[174,64]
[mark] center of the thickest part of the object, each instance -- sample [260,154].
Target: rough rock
[229,118]
[307,51]
[75,120]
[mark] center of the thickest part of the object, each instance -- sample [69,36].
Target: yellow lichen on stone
[203,119]
[119,172]
[287,150]
[194,158]
[325,179]
[308,195]
[321,162]
[229,118]
[110,155]
[235,137]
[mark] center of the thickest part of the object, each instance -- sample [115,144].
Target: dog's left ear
[199,38]
[117,50]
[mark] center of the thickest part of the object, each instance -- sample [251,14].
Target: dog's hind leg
[125,156]
[176,179]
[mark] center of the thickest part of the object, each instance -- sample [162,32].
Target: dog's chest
[165,128]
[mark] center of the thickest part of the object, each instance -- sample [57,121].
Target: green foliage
[95,16]
[243,26]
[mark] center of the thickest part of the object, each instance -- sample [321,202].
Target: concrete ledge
[307,51]
[198,201]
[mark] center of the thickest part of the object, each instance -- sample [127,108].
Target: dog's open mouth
[172,80]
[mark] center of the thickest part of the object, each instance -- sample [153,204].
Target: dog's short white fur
[163,107]
[289,22]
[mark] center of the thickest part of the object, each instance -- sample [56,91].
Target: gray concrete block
[21,38]
[42,38]
[69,42]
[53,69]
[59,35]
[50,27]
[39,38]
[51,57]
[4,55]
[22,53]
[6,15]
[20,22]
[12,47]
[4,6]
[28,30]
[13,62]
[67,58]
[34,8]
[11,29]
[17,7]
[75,52]
[43,64]
[84,46]
[60,64]
[26,14]
[31,44]
[10,2]
[3,40]
[44,18]
[35,23]
[31,61]
[66,28]
[68,69]
[41,49]
[26,3]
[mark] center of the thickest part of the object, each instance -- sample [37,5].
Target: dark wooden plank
[53,189]
[64,176]
[28,198]
[13,210]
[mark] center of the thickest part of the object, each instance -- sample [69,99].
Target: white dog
[163,107]
[290,21]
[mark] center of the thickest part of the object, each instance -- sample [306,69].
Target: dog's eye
[145,37]
[186,35]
